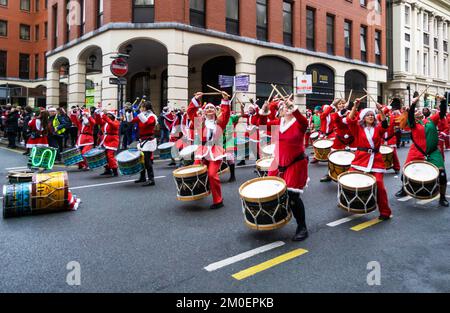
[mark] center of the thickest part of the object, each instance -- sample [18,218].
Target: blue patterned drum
[17,200]
[165,150]
[95,158]
[72,157]
[130,162]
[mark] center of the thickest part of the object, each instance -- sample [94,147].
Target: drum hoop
[263,199]
[420,181]
[389,147]
[194,198]
[340,165]
[271,226]
[203,170]
[359,212]
[357,188]
[262,159]
[323,148]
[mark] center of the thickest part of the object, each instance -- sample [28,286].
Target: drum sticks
[370,96]
[279,93]
[215,89]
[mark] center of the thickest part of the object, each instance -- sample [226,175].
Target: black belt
[88,134]
[282,169]
[106,134]
[144,137]
[368,150]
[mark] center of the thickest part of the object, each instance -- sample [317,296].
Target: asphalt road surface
[127,238]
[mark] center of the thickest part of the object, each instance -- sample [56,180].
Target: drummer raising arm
[146,121]
[368,137]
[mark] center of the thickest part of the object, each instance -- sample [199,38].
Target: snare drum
[95,158]
[265,203]
[357,192]
[42,157]
[339,162]
[130,162]
[165,150]
[388,156]
[188,154]
[263,166]
[20,176]
[314,136]
[322,148]
[268,151]
[72,157]
[192,182]
[421,180]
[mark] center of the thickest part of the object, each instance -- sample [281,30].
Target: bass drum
[421,180]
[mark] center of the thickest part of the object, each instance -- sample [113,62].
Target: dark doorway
[140,86]
[273,70]
[224,65]
[323,85]
[356,81]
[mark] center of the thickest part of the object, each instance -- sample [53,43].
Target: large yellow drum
[50,191]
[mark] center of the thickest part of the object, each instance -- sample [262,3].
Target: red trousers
[213,177]
[307,135]
[382,198]
[84,149]
[396,160]
[441,146]
[112,162]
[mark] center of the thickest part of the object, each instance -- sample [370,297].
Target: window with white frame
[425,22]
[436,65]
[407,58]
[446,68]
[419,20]
[407,15]
[426,63]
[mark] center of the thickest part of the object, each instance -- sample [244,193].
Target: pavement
[127,238]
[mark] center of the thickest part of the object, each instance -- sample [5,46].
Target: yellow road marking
[366,224]
[268,264]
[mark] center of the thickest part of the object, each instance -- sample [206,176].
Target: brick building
[177,47]
[23,44]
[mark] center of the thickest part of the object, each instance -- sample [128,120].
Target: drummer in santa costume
[210,128]
[425,139]
[109,140]
[368,135]
[251,117]
[38,128]
[146,121]
[291,162]
[85,124]
[326,123]
[389,138]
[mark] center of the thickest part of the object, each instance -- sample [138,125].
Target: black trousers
[297,208]
[11,138]
[56,141]
[148,166]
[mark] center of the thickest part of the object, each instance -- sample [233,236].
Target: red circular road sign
[119,67]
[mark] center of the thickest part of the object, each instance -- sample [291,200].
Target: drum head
[264,163]
[386,150]
[270,149]
[190,171]
[343,158]
[323,144]
[188,151]
[262,189]
[356,180]
[94,152]
[128,155]
[421,171]
[166,145]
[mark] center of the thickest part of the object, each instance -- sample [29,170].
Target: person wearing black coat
[12,127]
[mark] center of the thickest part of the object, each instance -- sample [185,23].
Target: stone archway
[356,81]
[323,81]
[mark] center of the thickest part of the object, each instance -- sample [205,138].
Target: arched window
[223,65]
[356,81]
[323,85]
[273,70]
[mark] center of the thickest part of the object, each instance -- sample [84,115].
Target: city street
[127,238]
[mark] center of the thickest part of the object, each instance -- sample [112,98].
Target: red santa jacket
[326,122]
[146,122]
[85,125]
[40,139]
[344,137]
[252,128]
[211,146]
[110,131]
[368,138]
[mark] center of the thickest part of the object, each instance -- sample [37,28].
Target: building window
[45,30]
[197,13]
[143,11]
[36,32]
[426,62]
[348,39]
[378,6]
[99,13]
[25,5]
[4,2]
[37,5]
[363,42]
[287,23]
[407,58]
[233,17]
[419,21]
[55,25]
[407,15]
[446,68]
[24,32]
[67,34]
[83,17]
[3,28]
[363,3]
[24,66]
[407,37]
[378,47]
[261,19]
[36,66]
[310,31]
[3,59]
[436,65]
[426,39]
[425,22]
[330,34]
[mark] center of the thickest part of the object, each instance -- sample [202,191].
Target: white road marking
[16,168]
[423,202]
[404,199]
[345,220]
[243,256]
[249,165]
[108,184]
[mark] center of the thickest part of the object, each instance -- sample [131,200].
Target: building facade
[419,51]
[23,45]
[177,47]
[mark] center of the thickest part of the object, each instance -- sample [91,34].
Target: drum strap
[420,149]
[282,169]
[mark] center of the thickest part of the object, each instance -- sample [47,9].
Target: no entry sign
[119,67]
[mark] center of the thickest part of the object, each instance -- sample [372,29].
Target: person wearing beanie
[425,137]
[110,139]
[210,128]
[368,135]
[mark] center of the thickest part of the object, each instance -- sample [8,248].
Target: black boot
[151,178]
[401,193]
[241,163]
[115,173]
[325,179]
[106,172]
[141,178]
[232,173]
[216,206]
[301,233]
[443,200]
[298,210]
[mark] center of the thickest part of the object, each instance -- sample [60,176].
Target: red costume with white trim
[389,137]
[327,123]
[85,141]
[110,137]
[41,139]
[210,152]
[343,137]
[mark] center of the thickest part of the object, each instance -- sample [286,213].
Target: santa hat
[112,113]
[51,109]
[366,111]
[208,105]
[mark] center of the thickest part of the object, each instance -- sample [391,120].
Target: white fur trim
[368,170]
[261,112]
[225,102]
[284,127]
[195,102]
[143,118]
